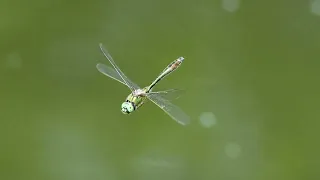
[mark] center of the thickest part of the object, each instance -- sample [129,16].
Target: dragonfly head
[127,107]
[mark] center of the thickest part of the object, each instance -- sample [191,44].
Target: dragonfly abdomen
[172,66]
[169,69]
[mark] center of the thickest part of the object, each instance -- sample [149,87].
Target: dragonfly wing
[110,72]
[172,110]
[169,94]
[124,78]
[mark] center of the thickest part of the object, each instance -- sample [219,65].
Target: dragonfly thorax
[139,92]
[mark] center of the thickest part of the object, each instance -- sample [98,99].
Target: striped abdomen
[169,69]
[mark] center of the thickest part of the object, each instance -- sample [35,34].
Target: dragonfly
[139,96]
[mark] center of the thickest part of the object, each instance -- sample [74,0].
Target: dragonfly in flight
[139,96]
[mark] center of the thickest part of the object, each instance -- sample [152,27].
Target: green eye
[127,107]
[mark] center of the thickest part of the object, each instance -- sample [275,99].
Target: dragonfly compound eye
[127,107]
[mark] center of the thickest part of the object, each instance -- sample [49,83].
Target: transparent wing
[132,86]
[172,110]
[110,72]
[170,94]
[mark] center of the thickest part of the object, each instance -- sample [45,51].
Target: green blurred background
[251,75]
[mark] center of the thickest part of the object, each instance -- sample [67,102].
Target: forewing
[172,110]
[124,78]
[169,94]
[110,72]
